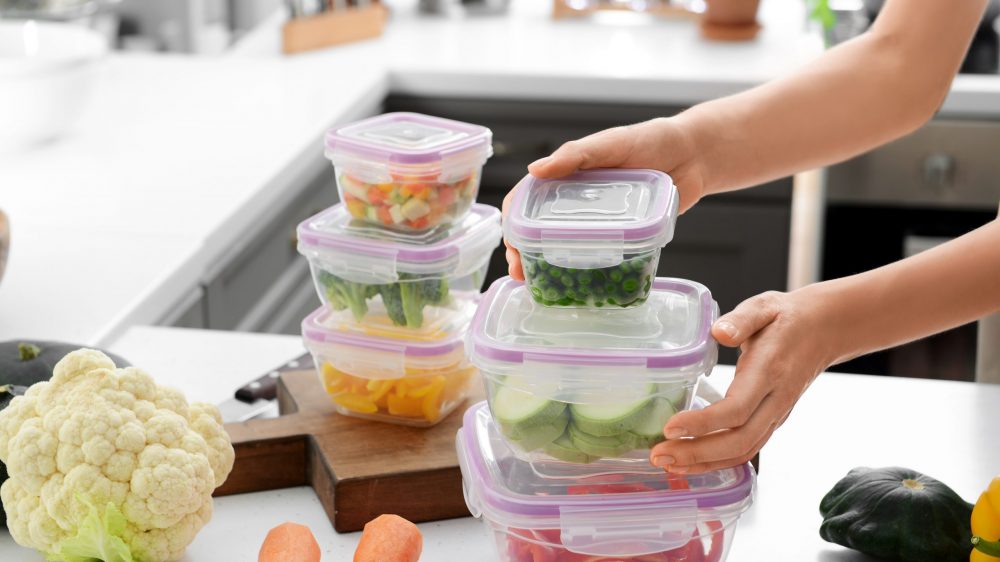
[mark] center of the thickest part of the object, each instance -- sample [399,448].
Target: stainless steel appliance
[936,184]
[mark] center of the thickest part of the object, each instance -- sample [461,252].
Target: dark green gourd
[897,514]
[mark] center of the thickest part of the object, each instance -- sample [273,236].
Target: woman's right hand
[660,144]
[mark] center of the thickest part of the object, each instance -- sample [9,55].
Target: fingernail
[676,433]
[727,328]
[541,161]
[663,461]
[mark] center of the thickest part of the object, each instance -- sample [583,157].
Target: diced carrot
[385,216]
[375,195]
[419,223]
[389,538]
[386,187]
[289,542]
[447,195]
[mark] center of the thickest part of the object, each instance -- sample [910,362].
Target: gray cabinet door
[736,250]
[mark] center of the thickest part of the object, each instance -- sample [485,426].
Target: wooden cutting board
[359,469]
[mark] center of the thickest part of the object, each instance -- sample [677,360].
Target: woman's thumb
[750,317]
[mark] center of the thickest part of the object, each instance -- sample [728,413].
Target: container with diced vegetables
[587,516]
[592,239]
[581,385]
[406,171]
[389,280]
[393,378]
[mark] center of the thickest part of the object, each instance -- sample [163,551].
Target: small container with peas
[592,239]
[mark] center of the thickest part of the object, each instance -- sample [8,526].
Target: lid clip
[599,249]
[628,531]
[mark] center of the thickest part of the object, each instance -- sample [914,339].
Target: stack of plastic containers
[399,265]
[583,364]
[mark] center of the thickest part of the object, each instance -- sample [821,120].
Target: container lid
[592,218]
[671,332]
[407,139]
[625,514]
[367,253]
[372,356]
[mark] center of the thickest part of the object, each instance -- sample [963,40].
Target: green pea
[616,275]
[630,284]
[551,293]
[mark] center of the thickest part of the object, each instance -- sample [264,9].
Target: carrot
[389,538]
[289,542]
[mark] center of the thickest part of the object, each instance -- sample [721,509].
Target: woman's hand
[785,343]
[660,144]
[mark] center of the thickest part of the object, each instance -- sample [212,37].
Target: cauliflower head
[98,435]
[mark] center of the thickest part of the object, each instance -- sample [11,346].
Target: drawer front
[234,293]
[946,163]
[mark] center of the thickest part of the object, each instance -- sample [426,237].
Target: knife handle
[264,388]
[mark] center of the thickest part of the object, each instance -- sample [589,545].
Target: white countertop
[941,428]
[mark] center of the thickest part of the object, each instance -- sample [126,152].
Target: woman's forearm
[854,97]
[947,286]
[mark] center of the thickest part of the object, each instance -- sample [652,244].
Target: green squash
[24,363]
[897,514]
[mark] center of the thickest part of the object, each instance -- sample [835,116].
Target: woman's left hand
[784,344]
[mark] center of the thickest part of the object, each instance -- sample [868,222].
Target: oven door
[937,184]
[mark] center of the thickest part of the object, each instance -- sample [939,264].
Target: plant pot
[4,241]
[730,20]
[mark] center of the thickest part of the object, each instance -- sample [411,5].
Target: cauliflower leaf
[98,538]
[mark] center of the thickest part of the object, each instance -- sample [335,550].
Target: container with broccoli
[577,385]
[396,281]
[592,239]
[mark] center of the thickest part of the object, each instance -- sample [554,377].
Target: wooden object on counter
[730,20]
[333,28]
[564,9]
[359,469]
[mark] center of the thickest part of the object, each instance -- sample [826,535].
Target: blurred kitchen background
[898,200]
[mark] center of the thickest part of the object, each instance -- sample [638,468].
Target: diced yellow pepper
[379,388]
[356,403]
[431,406]
[405,406]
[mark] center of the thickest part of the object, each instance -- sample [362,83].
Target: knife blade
[258,397]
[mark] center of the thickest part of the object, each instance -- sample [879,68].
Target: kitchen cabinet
[266,286]
[735,243]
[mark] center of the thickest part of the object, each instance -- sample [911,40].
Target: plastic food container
[390,379]
[406,171]
[392,280]
[580,385]
[632,517]
[592,239]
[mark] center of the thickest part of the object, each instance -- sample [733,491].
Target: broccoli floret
[344,294]
[393,300]
[413,303]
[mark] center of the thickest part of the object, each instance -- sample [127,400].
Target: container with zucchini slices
[593,238]
[390,281]
[391,377]
[582,516]
[585,385]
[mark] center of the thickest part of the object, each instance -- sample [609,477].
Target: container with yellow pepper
[411,378]
[986,525]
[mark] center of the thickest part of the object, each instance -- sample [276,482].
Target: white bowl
[47,72]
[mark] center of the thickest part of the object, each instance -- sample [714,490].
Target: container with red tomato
[596,516]
[406,171]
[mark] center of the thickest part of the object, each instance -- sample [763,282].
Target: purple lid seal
[407,139]
[634,207]
[671,331]
[440,250]
[316,330]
